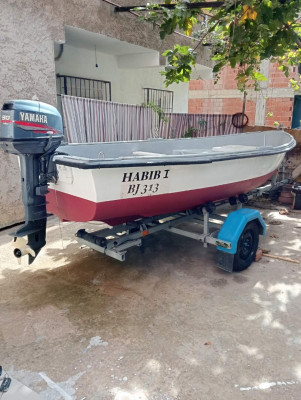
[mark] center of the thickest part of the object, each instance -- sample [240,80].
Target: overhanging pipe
[112,3]
[202,4]
[60,52]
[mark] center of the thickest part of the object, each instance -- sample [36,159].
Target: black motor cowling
[32,130]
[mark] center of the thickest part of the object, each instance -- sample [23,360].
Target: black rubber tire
[246,247]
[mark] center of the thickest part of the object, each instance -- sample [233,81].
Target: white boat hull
[116,195]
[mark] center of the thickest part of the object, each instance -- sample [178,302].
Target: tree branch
[298,40]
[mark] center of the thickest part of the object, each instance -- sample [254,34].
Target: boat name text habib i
[33,117]
[145,175]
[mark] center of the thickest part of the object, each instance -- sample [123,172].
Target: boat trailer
[236,236]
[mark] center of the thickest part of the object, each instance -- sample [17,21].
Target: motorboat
[122,181]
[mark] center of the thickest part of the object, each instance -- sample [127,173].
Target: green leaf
[259,77]
[232,61]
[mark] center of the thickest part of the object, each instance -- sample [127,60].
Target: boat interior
[237,143]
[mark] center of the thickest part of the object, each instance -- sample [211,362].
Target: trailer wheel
[246,247]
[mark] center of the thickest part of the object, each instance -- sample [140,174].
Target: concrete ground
[163,325]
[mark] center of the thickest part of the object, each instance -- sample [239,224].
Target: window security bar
[83,87]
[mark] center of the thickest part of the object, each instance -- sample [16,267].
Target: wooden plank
[281,258]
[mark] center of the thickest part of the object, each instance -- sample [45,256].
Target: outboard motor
[32,130]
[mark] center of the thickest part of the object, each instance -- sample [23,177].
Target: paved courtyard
[163,325]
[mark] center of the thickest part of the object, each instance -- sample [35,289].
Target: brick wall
[222,106]
[224,98]
[282,109]
[233,106]
[277,79]
[205,106]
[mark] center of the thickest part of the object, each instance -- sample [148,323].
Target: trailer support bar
[115,241]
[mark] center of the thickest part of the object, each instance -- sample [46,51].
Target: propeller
[22,249]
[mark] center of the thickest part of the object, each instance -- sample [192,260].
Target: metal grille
[83,87]
[161,98]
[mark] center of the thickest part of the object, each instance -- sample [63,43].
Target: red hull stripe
[34,125]
[24,123]
[72,208]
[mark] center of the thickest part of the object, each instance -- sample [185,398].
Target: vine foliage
[241,35]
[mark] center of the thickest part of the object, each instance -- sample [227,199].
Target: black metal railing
[83,87]
[158,97]
[162,99]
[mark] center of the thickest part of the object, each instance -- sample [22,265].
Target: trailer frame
[115,241]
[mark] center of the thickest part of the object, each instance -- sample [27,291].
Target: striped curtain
[89,120]
[196,125]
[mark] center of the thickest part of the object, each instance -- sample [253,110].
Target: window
[83,87]
[161,98]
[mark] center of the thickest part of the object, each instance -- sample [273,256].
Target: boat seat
[191,151]
[233,148]
[147,153]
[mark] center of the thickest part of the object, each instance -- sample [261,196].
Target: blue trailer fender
[235,224]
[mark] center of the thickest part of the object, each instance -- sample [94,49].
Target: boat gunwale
[169,159]
[96,164]
[212,137]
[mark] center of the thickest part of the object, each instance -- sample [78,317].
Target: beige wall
[27,67]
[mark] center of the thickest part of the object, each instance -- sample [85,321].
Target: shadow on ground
[166,324]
